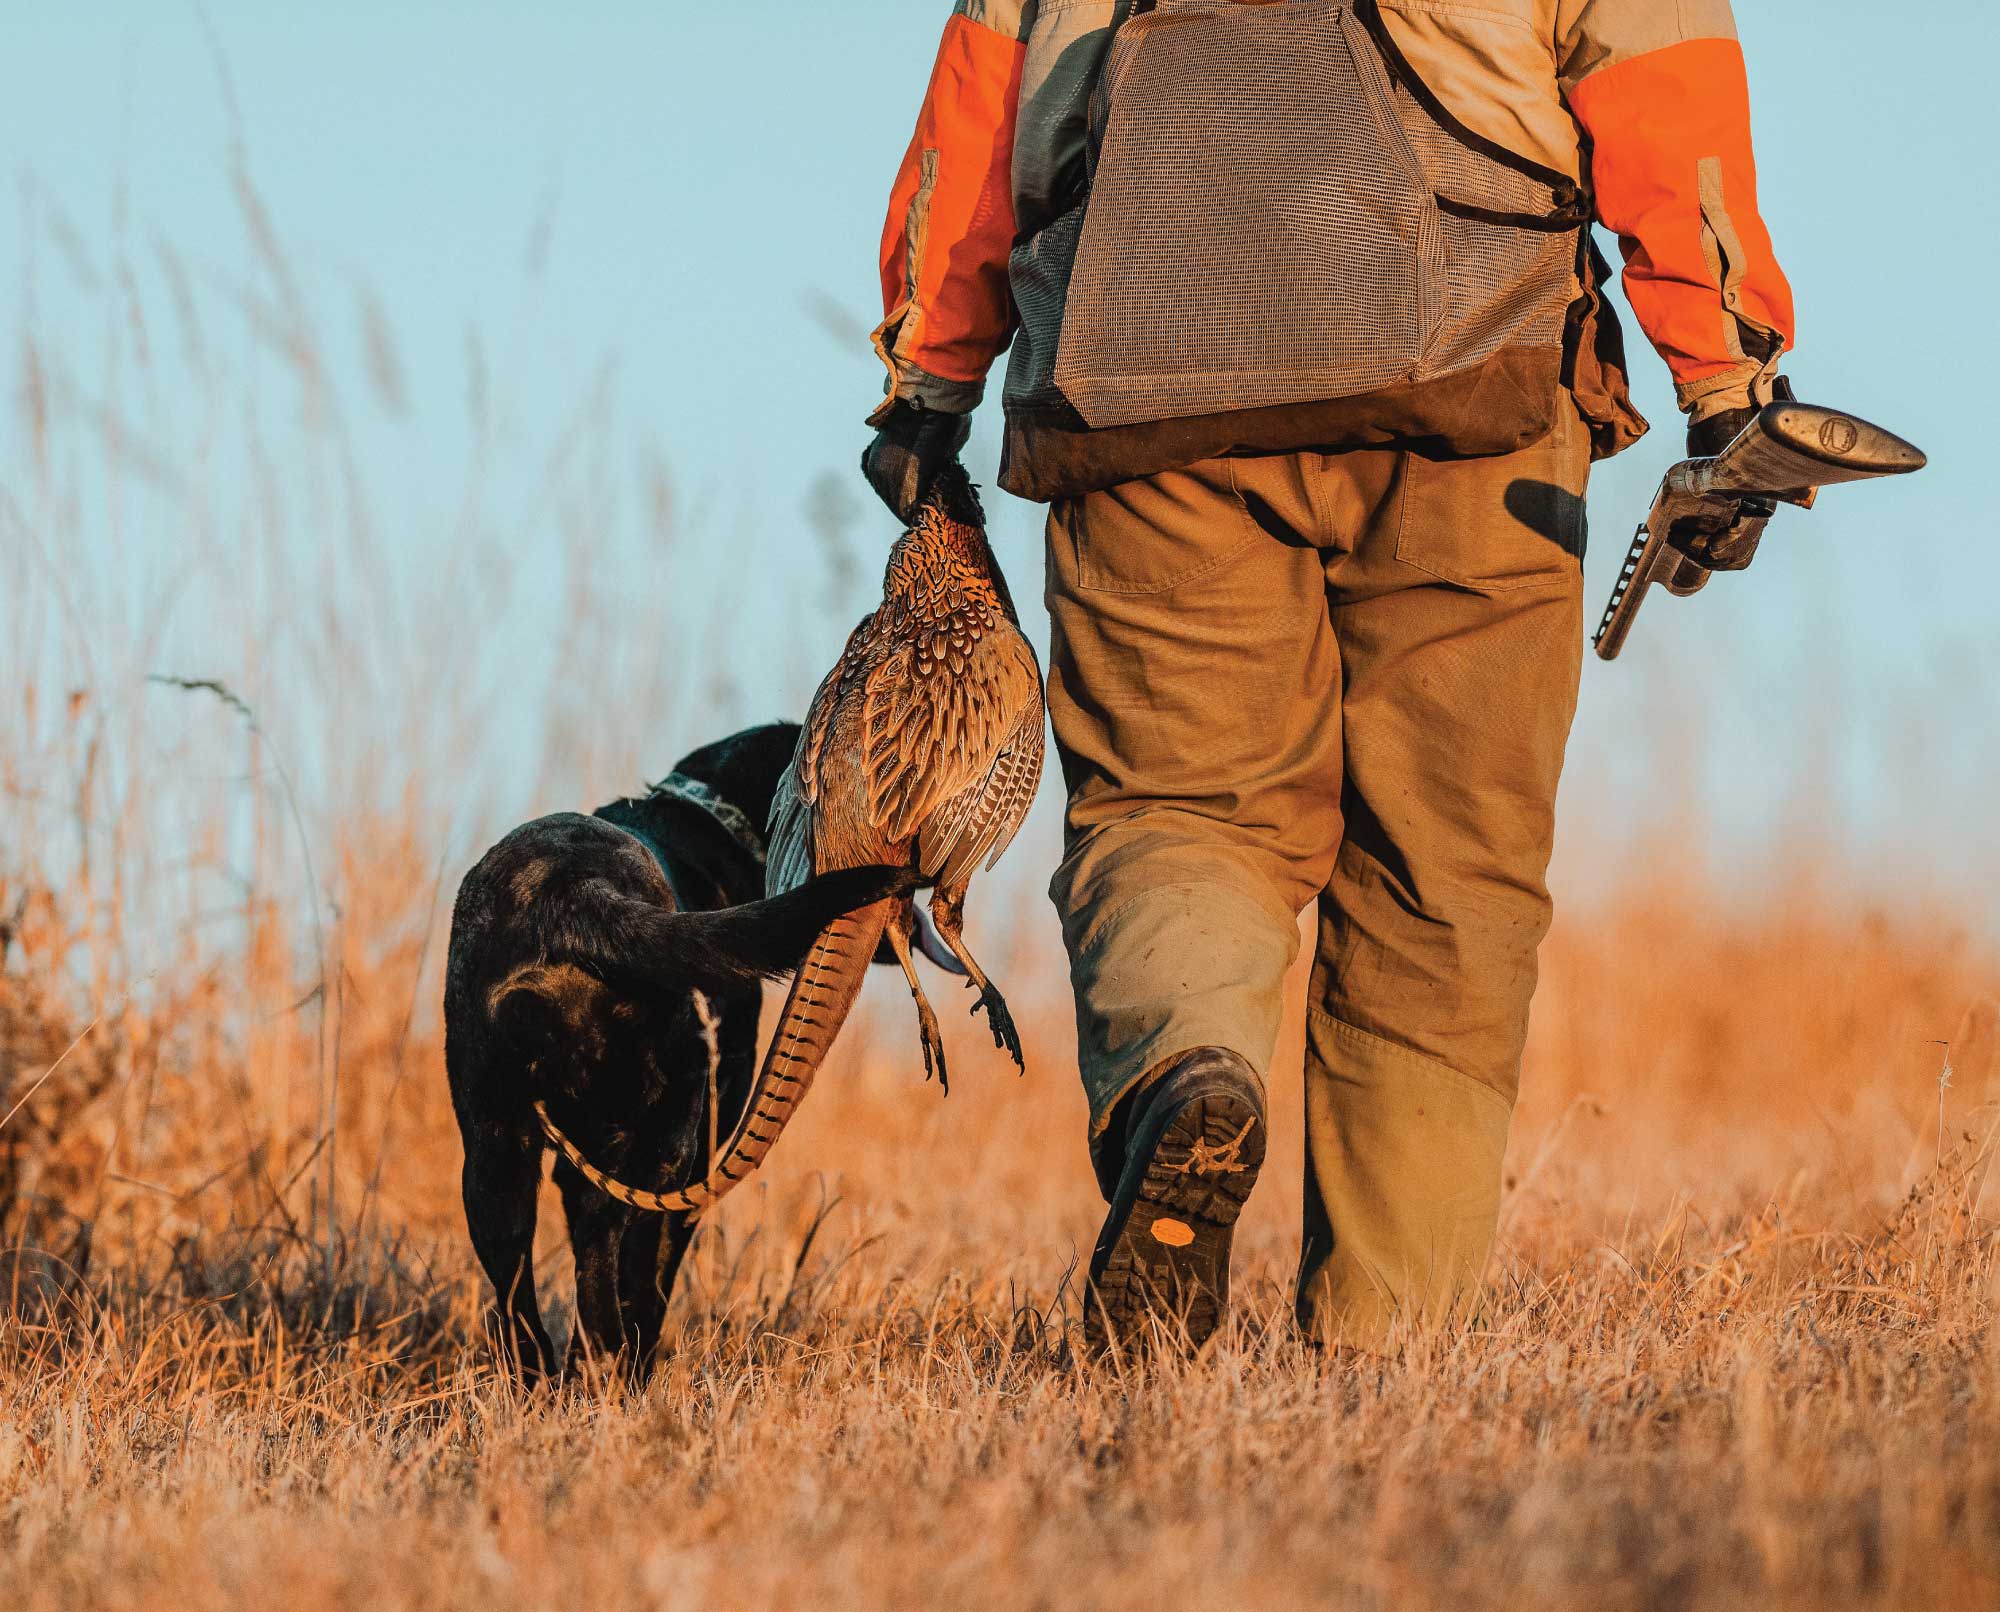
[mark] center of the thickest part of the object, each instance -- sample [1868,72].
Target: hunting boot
[1176,1160]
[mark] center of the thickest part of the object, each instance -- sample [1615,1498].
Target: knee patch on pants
[1171,967]
[1403,1184]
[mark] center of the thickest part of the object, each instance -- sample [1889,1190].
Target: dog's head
[744,768]
[706,853]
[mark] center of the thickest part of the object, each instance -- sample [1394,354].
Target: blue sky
[677,206]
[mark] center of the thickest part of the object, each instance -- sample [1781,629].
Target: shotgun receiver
[1784,455]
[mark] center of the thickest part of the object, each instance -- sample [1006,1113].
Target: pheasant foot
[1001,1022]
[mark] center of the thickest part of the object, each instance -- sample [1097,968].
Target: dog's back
[533,928]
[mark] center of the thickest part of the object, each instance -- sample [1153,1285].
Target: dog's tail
[821,997]
[647,949]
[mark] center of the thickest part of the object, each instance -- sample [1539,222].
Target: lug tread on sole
[1187,1283]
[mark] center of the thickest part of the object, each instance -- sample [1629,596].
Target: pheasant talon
[933,1043]
[927,1023]
[934,1052]
[1001,1022]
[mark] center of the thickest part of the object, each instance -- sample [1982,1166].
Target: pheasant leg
[927,1022]
[948,915]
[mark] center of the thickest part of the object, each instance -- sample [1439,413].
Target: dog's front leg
[501,1179]
[596,1229]
[649,1260]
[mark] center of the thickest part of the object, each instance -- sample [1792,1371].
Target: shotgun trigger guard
[1686,576]
[1721,535]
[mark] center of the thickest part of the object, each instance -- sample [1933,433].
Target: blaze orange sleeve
[947,310]
[1674,177]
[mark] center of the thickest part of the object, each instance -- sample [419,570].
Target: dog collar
[732,817]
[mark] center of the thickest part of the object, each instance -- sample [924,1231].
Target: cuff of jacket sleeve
[1745,386]
[907,382]
[917,385]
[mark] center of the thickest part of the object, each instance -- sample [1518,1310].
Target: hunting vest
[1282,239]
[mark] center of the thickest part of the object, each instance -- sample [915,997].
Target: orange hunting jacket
[1649,95]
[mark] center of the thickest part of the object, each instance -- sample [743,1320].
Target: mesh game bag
[1280,212]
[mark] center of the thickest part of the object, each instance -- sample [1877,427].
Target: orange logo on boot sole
[1174,1233]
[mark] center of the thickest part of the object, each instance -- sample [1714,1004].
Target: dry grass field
[1740,1343]
[1739,1349]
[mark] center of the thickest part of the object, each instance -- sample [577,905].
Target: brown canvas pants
[1342,678]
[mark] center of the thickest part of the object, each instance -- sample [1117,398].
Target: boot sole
[1165,1253]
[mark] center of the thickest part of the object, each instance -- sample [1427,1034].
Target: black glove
[1721,545]
[1711,541]
[911,446]
[1708,437]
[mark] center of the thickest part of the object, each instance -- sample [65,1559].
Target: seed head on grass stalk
[329,1090]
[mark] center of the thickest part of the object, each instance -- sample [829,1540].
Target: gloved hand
[1727,545]
[911,445]
[1708,437]
[1721,545]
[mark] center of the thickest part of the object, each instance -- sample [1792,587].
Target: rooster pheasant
[922,750]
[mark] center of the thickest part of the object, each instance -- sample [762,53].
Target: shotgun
[1787,452]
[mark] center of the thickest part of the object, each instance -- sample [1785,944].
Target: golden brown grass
[1739,1347]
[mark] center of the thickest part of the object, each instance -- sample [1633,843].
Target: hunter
[1311,360]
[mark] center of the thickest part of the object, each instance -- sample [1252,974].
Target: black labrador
[609,966]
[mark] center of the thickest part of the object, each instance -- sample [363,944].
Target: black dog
[609,966]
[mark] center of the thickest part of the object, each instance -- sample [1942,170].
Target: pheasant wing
[825,702]
[978,824]
[788,856]
[938,713]
[794,837]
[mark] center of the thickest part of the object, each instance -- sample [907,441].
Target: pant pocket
[1511,521]
[1156,533]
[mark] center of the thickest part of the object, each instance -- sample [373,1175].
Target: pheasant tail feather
[821,997]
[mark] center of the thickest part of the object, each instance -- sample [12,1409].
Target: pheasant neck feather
[941,572]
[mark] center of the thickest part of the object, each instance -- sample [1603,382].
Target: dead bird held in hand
[922,749]
[921,753]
